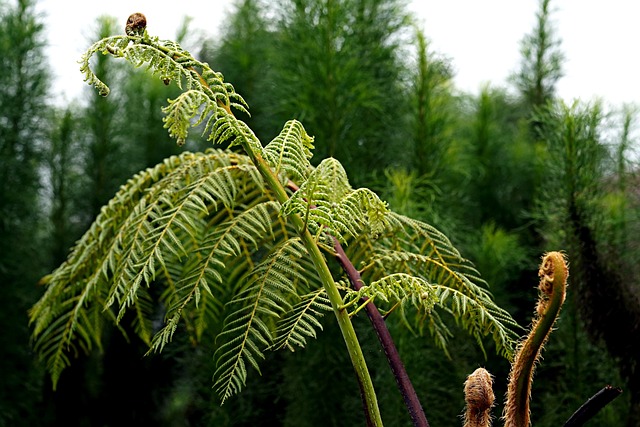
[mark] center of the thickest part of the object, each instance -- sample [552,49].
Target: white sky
[599,39]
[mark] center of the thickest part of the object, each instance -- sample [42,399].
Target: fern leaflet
[264,298]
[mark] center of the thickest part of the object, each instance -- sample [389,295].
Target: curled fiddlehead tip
[479,397]
[553,275]
[136,24]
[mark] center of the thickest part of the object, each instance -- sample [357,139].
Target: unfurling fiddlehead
[136,24]
[553,281]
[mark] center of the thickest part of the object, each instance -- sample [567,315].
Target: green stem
[370,401]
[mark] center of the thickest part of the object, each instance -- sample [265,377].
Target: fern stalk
[553,281]
[403,381]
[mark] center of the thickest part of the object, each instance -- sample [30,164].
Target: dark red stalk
[393,357]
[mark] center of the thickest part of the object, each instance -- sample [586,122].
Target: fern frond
[251,225]
[420,237]
[162,222]
[302,322]
[290,152]
[180,112]
[147,232]
[205,90]
[401,288]
[414,265]
[227,129]
[469,304]
[144,310]
[66,326]
[110,45]
[327,200]
[264,298]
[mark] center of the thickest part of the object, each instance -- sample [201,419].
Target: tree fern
[230,246]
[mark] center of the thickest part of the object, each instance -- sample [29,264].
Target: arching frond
[69,316]
[154,224]
[263,299]
[412,264]
[205,89]
[162,222]
[470,305]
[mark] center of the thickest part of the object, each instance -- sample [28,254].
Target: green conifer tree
[542,60]
[338,70]
[23,112]
[577,208]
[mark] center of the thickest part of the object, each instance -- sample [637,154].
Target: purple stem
[393,357]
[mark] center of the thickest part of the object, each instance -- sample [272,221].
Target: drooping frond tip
[171,63]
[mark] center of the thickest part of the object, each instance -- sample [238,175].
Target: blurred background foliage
[507,174]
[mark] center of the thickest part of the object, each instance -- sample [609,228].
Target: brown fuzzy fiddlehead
[136,24]
[479,397]
[553,281]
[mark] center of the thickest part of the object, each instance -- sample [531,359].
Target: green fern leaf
[251,225]
[180,112]
[327,201]
[264,298]
[147,232]
[302,321]
[414,265]
[290,152]
[65,325]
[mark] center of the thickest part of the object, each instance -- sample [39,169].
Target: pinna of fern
[226,244]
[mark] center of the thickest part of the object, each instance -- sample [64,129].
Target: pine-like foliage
[204,241]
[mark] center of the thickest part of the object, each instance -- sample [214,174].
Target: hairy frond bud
[136,24]
[479,397]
